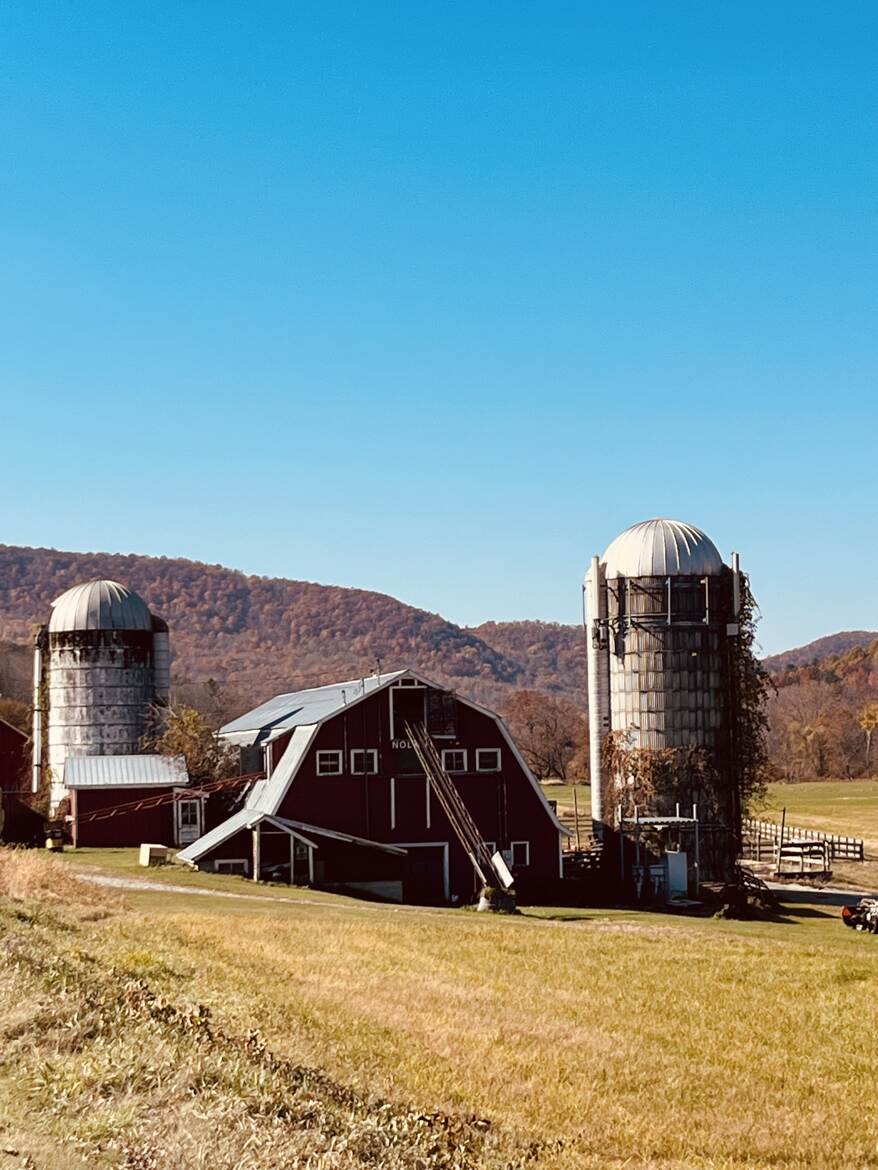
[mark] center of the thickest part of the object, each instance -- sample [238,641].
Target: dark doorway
[424,875]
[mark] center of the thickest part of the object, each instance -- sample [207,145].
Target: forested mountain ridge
[831,645]
[260,635]
[257,636]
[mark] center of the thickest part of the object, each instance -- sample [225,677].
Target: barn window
[329,763]
[363,761]
[441,714]
[487,759]
[454,759]
[189,814]
[520,854]
[236,865]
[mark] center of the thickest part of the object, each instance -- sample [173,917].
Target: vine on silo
[750,687]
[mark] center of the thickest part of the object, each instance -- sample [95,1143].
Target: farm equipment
[490,867]
[863,916]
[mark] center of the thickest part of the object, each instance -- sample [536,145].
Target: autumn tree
[551,733]
[868,721]
[183,731]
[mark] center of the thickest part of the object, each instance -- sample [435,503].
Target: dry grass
[618,1040]
[29,876]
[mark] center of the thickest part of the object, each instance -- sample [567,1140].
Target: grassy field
[847,807]
[153,1028]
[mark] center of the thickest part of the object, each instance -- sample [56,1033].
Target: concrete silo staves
[101,665]
[662,614]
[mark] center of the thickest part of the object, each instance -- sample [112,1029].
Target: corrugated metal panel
[237,821]
[99,605]
[124,771]
[300,708]
[662,548]
[266,795]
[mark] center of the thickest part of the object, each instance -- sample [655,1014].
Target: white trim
[512,861]
[221,865]
[339,761]
[497,752]
[427,799]
[460,751]
[392,803]
[443,845]
[310,730]
[371,768]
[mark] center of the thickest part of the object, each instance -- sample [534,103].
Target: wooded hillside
[260,635]
[257,636]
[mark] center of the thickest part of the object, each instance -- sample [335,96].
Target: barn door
[187,819]
[407,705]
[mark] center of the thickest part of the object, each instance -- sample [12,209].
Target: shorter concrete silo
[102,664]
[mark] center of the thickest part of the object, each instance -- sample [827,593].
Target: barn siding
[155,825]
[504,805]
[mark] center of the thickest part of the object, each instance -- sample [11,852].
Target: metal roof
[246,818]
[124,771]
[662,548]
[99,605]
[299,708]
[266,795]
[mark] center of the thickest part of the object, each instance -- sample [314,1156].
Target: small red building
[127,800]
[14,758]
[19,823]
[346,804]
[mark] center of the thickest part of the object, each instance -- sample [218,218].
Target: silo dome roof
[99,605]
[662,548]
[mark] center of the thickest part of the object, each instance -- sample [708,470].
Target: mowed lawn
[847,807]
[615,1038]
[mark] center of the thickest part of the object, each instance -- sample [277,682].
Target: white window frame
[339,761]
[497,755]
[223,864]
[371,768]
[455,751]
[192,802]
[519,864]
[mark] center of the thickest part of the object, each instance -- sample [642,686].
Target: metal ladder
[465,828]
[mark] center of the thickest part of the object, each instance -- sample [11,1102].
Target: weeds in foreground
[152,1081]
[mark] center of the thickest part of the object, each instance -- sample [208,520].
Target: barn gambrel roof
[304,712]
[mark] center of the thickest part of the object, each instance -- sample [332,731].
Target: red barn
[14,758]
[126,800]
[346,804]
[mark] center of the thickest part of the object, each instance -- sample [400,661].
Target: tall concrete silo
[101,665]
[661,621]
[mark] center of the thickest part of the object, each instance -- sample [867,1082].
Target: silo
[661,619]
[104,659]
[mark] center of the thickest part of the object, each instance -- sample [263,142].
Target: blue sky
[436,299]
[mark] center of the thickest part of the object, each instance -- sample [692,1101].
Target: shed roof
[125,771]
[247,818]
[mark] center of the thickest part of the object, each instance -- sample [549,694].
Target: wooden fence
[761,840]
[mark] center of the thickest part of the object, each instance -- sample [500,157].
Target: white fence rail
[762,837]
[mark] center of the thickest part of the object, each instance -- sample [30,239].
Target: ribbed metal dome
[99,605]
[662,548]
